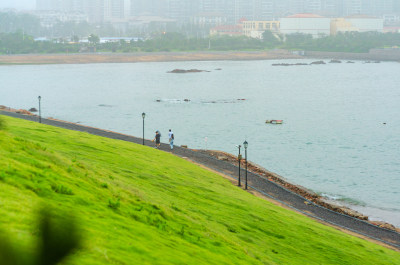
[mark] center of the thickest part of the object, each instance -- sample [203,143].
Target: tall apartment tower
[383,7]
[94,10]
[331,8]
[281,8]
[313,6]
[114,9]
[148,7]
[297,6]
[264,9]
[352,7]
[215,6]
[182,10]
[243,9]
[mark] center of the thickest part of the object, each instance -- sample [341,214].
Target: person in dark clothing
[157,139]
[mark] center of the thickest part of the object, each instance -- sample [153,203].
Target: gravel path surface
[256,182]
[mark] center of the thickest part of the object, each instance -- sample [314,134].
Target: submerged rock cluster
[182,71]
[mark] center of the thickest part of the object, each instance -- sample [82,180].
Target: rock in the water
[318,62]
[182,71]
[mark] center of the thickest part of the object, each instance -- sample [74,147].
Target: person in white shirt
[171,139]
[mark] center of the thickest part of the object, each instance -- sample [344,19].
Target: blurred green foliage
[58,238]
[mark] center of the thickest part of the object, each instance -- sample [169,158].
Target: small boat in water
[274,121]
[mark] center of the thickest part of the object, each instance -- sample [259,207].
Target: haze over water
[333,140]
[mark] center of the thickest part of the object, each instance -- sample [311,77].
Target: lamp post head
[39,97]
[245,144]
[143,115]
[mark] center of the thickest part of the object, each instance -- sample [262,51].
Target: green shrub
[114,204]
[62,189]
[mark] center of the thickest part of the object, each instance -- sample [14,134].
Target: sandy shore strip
[87,58]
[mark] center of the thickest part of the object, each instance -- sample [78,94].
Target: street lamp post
[245,144]
[40,110]
[239,158]
[143,116]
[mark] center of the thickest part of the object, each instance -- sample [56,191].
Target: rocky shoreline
[273,177]
[302,191]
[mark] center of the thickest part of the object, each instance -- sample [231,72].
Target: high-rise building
[215,6]
[266,10]
[296,6]
[396,7]
[94,9]
[243,9]
[148,7]
[182,10]
[231,10]
[332,8]
[113,9]
[313,6]
[352,7]
[281,8]
[382,7]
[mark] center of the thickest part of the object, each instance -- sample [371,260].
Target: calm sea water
[341,131]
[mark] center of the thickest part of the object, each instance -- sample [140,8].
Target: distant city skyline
[231,11]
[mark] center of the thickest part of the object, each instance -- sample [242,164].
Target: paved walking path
[256,182]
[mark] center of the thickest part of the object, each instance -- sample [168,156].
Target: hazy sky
[20,4]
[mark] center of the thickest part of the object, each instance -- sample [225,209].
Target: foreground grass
[137,205]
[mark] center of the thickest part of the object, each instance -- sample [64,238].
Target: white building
[366,23]
[49,18]
[312,24]
[204,20]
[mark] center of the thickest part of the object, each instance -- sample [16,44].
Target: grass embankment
[138,205]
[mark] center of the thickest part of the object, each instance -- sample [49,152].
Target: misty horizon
[18,4]
[382,4]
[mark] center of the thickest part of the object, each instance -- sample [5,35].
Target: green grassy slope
[138,205]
